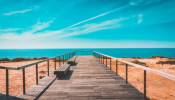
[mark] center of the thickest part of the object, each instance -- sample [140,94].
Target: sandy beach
[155,83]
[15,76]
[158,88]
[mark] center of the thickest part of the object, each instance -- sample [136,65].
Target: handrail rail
[12,68]
[84,51]
[25,66]
[163,74]
[34,63]
[64,56]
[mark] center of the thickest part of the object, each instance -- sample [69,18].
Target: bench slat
[72,60]
[62,70]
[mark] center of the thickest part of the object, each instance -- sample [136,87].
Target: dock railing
[16,79]
[154,84]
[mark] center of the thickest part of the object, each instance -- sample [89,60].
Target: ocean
[115,52]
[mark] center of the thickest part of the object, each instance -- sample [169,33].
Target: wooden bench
[72,60]
[62,70]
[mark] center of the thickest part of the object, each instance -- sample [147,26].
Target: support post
[37,74]
[66,57]
[55,63]
[103,59]
[110,63]
[7,82]
[144,84]
[116,67]
[106,61]
[59,61]
[126,73]
[23,72]
[48,67]
[63,59]
[99,57]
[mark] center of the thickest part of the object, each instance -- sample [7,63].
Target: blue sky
[87,24]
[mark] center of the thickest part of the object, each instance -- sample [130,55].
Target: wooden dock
[88,80]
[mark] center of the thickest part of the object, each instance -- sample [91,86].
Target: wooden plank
[88,80]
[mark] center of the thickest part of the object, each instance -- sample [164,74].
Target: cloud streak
[11,34]
[93,27]
[140,19]
[9,30]
[71,30]
[103,14]
[17,12]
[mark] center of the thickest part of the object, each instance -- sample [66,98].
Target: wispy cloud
[40,26]
[93,27]
[140,19]
[11,34]
[67,32]
[142,2]
[9,30]
[103,14]
[17,12]
[71,30]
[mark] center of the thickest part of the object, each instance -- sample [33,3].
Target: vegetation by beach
[140,63]
[4,60]
[166,62]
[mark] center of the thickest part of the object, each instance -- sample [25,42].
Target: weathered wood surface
[62,70]
[88,80]
[72,60]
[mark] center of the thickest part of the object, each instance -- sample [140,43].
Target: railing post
[48,67]
[116,67]
[126,73]
[55,62]
[110,63]
[23,72]
[63,59]
[7,82]
[106,62]
[37,74]
[103,59]
[144,84]
[59,61]
[99,56]
[66,57]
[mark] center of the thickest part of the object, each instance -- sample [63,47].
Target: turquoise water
[116,52]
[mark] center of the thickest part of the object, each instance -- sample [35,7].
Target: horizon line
[98,48]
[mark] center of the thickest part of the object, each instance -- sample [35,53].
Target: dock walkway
[88,80]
